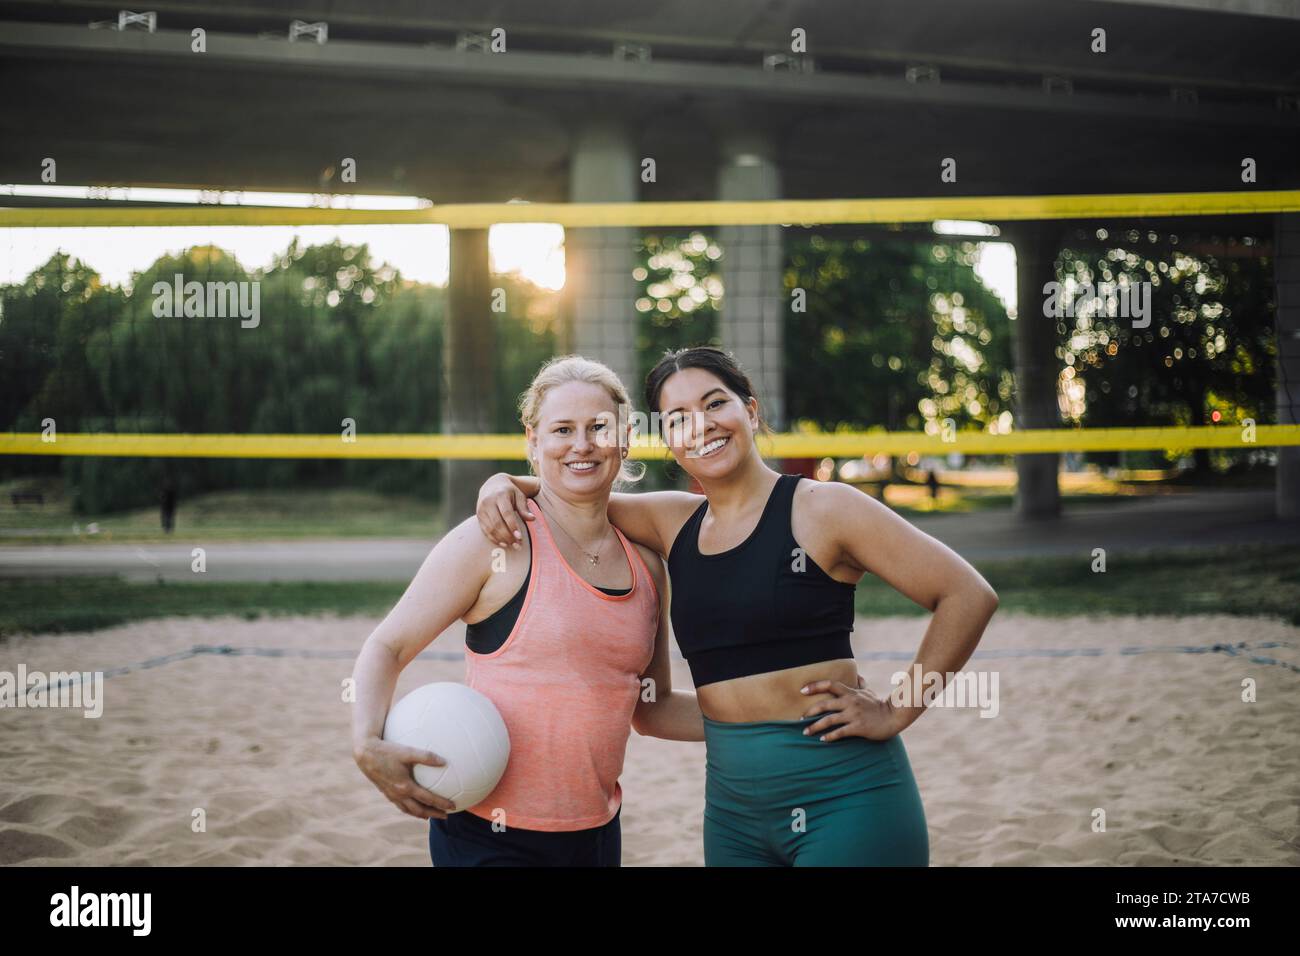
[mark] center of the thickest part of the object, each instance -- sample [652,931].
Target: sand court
[1141,719]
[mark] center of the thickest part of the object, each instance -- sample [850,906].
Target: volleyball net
[870,327]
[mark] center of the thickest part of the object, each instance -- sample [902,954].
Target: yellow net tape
[749,213]
[821,445]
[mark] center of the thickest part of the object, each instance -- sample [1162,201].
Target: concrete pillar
[1286,276]
[599,290]
[470,360]
[754,303]
[1037,245]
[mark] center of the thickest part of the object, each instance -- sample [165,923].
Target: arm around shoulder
[652,518]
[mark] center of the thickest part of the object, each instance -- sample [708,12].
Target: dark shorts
[464,839]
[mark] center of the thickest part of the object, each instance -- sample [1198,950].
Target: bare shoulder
[830,500]
[831,513]
[479,563]
[467,542]
[469,534]
[831,520]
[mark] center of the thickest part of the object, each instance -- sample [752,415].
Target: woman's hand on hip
[857,711]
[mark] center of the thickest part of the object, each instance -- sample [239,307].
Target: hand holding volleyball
[389,767]
[443,718]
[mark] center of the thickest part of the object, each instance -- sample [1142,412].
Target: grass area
[1247,580]
[298,513]
[54,605]
[228,516]
[912,502]
[993,489]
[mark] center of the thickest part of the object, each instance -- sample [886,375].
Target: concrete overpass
[1014,91]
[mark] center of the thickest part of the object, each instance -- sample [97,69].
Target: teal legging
[774,797]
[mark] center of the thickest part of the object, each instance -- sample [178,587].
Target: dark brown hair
[721,364]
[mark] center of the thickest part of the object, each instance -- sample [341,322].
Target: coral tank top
[566,682]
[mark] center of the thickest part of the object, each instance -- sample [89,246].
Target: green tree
[1211,345]
[679,292]
[896,333]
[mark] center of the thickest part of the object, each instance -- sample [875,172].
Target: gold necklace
[593,558]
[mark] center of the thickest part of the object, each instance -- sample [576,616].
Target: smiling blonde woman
[562,641]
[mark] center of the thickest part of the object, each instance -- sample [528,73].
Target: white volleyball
[462,727]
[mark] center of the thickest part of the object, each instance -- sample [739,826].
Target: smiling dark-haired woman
[805,765]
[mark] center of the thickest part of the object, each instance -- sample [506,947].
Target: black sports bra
[761,606]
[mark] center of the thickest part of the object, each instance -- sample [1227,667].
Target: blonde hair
[575,368]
